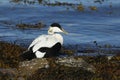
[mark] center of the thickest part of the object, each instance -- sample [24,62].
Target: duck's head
[56,28]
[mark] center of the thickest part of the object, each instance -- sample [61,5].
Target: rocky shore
[65,68]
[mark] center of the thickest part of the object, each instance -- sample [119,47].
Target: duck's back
[46,41]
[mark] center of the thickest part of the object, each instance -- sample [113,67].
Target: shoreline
[53,68]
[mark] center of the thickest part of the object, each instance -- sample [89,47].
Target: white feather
[38,39]
[39,54]
[46,41]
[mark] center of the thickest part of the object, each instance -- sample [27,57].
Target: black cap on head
[56,25]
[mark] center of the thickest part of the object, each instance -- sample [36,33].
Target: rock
[29,67]
[75,62]
[27,26]
[10,74]
[21,78]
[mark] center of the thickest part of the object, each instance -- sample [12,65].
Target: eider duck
[46,45]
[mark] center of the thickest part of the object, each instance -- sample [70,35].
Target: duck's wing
[37,40]
[46,41]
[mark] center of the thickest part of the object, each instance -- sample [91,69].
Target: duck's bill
[65,32]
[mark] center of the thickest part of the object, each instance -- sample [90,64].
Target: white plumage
[46,45]
[46,41]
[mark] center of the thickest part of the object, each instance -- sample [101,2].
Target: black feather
[54,51]
[27,55]
[56,25]
[50,52]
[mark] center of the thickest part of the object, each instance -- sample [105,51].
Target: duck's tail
[27,55]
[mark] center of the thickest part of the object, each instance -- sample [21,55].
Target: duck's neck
[58,37]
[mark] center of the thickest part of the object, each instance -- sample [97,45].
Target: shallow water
[83,27]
